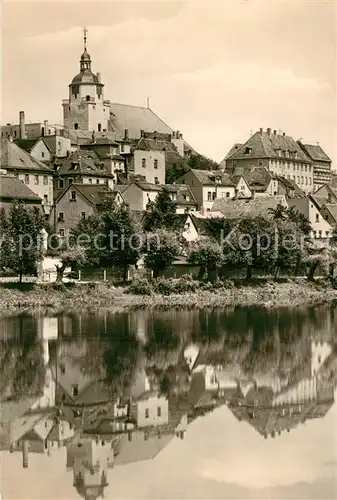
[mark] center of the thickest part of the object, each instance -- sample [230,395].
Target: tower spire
[85,31]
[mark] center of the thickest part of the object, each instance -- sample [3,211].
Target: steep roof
[315,152]
[102,141]
[332,209]
[213,177]
[257,207]
[139,448]
[13,157]
[291,184]
[259,178]
[12,188]
[134,119]
[94,193]
[232,150]
[83,162]
[147,144]
[265,145]
[300,204]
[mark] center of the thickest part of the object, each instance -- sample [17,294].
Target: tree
[70,256]
[160,213]
[162,247]
[207,255]
[201,162]
[122,238]
[21,245]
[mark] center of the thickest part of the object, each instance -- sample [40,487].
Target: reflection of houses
[73,384]
[308,398]
[90,459]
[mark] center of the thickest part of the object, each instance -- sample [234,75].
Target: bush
[141,286]
[164,286]
[186,284]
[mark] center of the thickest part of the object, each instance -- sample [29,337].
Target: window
[97,181]
[144,162]
[260,163]
[36,179]
[320,233]
[234,163]
[147,413]
[209,196]
[45,180]
[156,180]
[76,126]
[61,216]
[327,234]
[63,369]
[83,215]
[61,232]
[213,196]
[227,194]
[90,181]
[61,184]
[317,217]
[26,178]
[99,127]
[155,163]
[42,154]
[73,196]
[75,390]
[45,199]
[159,411]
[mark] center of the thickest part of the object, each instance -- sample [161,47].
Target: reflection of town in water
[116,389]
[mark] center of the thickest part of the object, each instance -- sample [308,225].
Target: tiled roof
[140,449]
[233,149]
[289,183]
[264,145]
[145,144]
[14,158]
[9,411]
[300,204]
[94,193]
[102,141]
[332,209]
[121,187]
[315,152]
[215,177]
[258,178]
[26,144]
[82,162]
[12,188]
[259,206]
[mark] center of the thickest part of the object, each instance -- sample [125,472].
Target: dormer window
[73,196]
[247,151]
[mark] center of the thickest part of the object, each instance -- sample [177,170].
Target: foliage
[141,286]
[177,167]
[70,256]
[207,255]
[21,244]
[201,162]
[293,215]
[160,213]
[162,247]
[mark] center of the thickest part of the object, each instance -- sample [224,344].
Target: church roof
[86,76]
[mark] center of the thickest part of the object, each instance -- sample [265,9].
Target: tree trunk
[156,273]
[277,270]
[59,273]
[312,270]
[125,272]
[20,276]
[201,272]
[249,273]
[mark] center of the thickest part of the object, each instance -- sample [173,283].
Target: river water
[236,403]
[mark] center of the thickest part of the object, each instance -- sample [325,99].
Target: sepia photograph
[168,250]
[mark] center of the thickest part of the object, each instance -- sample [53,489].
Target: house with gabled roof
[208,185]
[327,193]
[311,208]
[36,175]
[37,148]
[279,153]
[77,202]
[321,164]
[257,207]
[82,167]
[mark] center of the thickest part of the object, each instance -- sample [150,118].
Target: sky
[215,70]
[219,458]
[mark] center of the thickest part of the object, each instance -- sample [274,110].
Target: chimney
[253,194]
[329,197]
[261,130]
[181,136]
[173,135]
[10,138]
[236,194]
[25,450]
[275,132]
[268,131]
[178,134]
[142,133]
[46,131]
[155,135]
[99,77]
[22,125]
[126,134]
[284,134]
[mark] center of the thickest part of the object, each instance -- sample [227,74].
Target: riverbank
[91,296]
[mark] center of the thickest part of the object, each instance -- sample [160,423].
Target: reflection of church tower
[86,109]
[89,460]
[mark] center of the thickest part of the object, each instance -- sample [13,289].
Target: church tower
[86,108]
